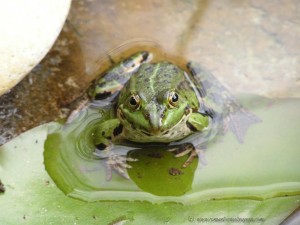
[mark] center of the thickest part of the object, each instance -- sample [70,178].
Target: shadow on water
[192,24]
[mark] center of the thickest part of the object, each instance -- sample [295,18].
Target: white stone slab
[28,29]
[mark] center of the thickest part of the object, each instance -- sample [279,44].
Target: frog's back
[157,76]
[156,79]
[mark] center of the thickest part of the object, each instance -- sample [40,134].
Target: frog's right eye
[134,101]
[173,99]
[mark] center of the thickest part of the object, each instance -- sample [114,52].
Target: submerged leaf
[257,169]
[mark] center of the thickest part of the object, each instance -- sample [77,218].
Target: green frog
[162,103]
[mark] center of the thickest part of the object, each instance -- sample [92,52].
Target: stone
[28,30]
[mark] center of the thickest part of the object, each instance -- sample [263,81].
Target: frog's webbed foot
[114,162]
[118,163]
[233,116]
[188,149]
[239,121]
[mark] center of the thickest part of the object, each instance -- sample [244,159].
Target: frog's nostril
[147,115]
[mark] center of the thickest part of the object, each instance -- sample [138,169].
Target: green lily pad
[258,180]
[265,166]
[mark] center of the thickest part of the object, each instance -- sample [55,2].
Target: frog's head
[155,99]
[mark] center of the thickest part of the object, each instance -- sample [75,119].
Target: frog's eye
[134,101]
[173,99]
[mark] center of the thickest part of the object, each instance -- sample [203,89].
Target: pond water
[252,47]
[226,166]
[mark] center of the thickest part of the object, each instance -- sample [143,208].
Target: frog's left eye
[173,99]
[134,101]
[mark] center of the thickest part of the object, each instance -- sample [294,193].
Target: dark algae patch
[174,171]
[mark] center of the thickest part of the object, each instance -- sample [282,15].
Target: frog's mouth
[155,133]
[158,132]
[179,127]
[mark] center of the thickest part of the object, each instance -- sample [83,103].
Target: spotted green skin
[203,103]
[155,119]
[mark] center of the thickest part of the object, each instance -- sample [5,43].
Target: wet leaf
[258,180]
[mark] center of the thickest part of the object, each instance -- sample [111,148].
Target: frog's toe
[173,149]
[118,164]
[119,168]
[193,154]
[189,149]
[129,159]
[182,150]
[111,168]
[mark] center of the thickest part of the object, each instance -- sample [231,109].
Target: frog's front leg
[197,122]
[103,136]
